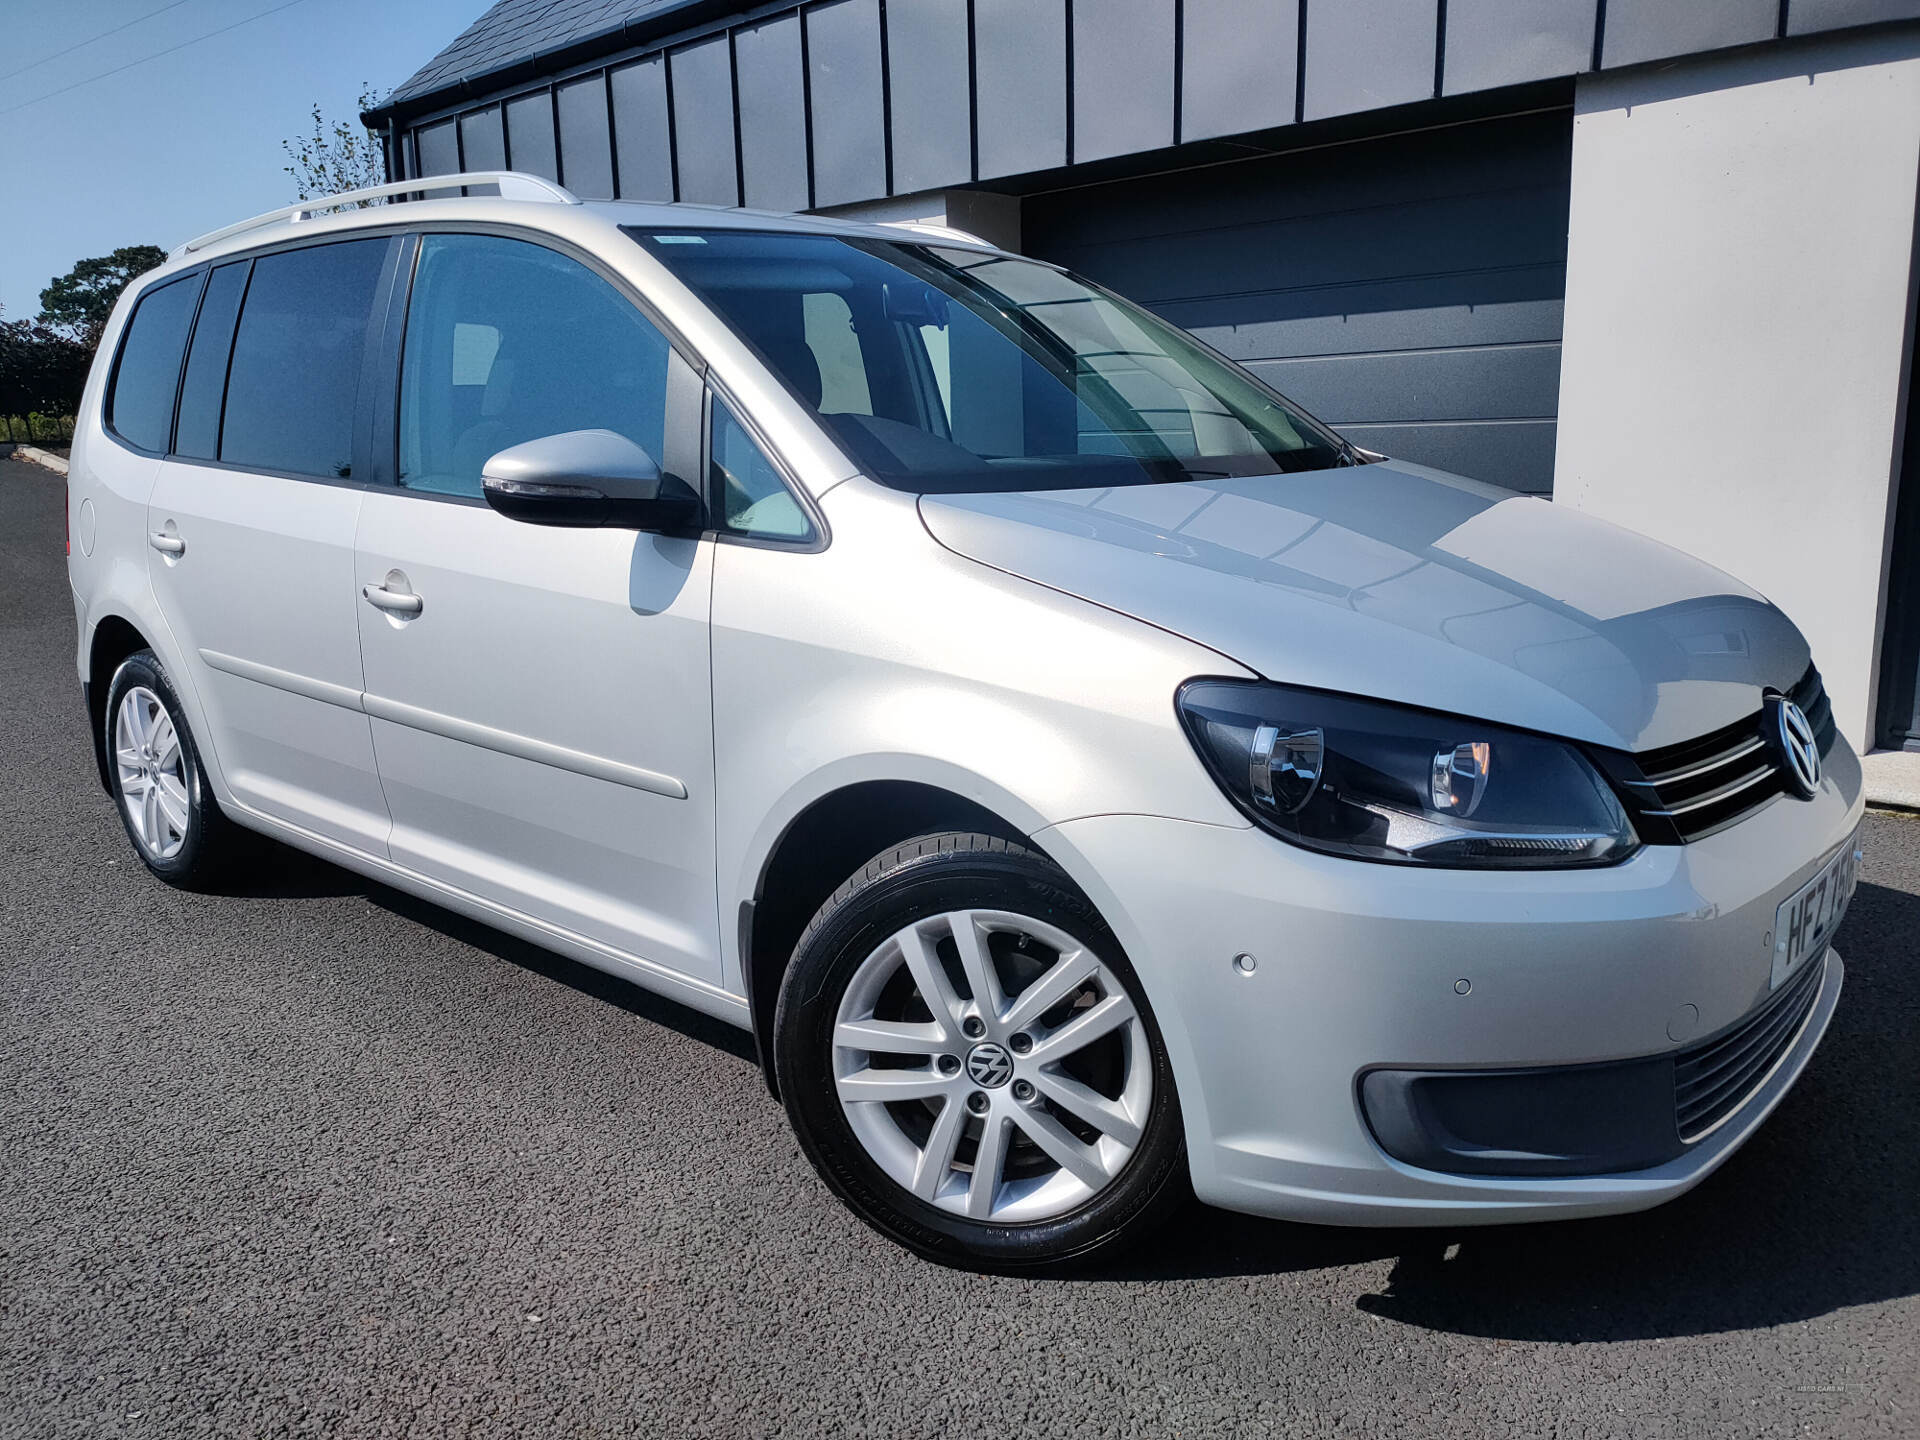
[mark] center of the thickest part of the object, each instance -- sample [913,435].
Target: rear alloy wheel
[970,1064]
[165,803]
[152,772]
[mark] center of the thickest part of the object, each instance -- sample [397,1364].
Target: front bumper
[1361,966]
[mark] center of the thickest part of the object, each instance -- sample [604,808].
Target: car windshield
[946,370]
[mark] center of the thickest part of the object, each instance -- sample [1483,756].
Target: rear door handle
[393,603]
[167,544]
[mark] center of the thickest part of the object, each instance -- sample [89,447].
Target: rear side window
[197,432]
[140,407]
[509,341]
[296,359]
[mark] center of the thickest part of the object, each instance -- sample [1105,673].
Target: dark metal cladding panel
[641,136]
[1240,66]
[1021,78]
[586,154]
[927,78]
[530,135]
[849,120]
[1407,289]
[1442,386]
[483,140]
[1804,17]
[1515,453]
[773,116]
[1640,30]
[1365,54]
[1510,42]
[439,154]
[703,122]
[1122,77]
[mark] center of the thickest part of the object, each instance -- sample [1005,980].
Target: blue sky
[187,141]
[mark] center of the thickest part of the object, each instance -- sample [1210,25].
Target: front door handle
[167,544]
[393,602]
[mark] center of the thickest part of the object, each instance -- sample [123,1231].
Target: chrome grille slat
[1687,791]
[1673,777]
[1725,792]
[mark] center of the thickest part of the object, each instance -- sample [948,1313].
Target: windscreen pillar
[1739,311]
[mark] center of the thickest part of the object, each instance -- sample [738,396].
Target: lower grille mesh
[1713,1079]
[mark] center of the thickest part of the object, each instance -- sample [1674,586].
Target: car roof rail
[509,184]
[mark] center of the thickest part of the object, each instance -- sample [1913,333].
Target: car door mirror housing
[587,478]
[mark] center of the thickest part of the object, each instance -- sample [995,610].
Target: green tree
[81,300]
[339,155]
[41,370]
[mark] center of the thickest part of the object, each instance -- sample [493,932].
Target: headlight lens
[1384,782]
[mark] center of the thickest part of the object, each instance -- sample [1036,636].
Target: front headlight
[1384,782]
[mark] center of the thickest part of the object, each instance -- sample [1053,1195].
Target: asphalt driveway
[313,1157]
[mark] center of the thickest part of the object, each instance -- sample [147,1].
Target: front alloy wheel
[969,1062]
[996,1107]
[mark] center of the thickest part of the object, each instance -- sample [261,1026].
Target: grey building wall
[1240,66]
[847,92]
[1020,86]
[1123,68]
[1367,54]
[702,99]
[913,95]
[932,94]
[773,115]
[642,122]
[1489,43]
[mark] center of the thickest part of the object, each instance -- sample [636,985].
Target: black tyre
[159,784]
[970,1062]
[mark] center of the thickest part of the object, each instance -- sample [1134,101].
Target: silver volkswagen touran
[1089,778]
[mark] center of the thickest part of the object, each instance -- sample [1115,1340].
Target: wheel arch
[814,854]
[114,638]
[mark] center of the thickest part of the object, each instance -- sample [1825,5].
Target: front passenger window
[509,341]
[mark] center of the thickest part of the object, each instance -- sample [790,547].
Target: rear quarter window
[140,403]
[197,432]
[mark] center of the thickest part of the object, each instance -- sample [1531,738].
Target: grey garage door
[1407,289]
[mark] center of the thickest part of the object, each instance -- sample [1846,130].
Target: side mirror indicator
[587,478]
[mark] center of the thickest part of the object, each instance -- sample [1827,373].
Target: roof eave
[628,33]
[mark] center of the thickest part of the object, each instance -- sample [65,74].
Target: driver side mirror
[586,478]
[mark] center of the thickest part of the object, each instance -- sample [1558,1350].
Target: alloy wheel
[992,1065]
[152,773]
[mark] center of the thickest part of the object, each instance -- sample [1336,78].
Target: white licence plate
[1806,920]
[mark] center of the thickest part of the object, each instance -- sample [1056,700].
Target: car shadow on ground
[279,872]
[272,871]
[1816,1213]
[571,973]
